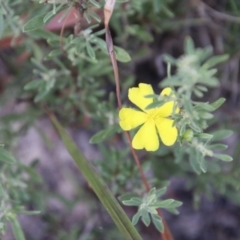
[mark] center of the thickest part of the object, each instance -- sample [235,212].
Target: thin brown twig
[62,29]
[220,15]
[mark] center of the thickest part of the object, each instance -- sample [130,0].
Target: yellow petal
[131,118]
[167,132]
[136,95]
[146,137]
[166,109]
[166,91]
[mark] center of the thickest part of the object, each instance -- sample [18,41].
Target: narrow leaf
[2,25]
[55,52]
[95,16]
[189,45]
[214,61]
[136,217]
[146,218]
[32,85]
[157,221]
[223,157]
[135,201]
[103,134]
[34,23]
[96,4]
[122,55]
[218,146]
[218,103]
[90,50]
[6,157]
[17,230]
[221,134]
[99,187]
[162,204]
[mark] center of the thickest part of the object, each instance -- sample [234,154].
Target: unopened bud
[188,135]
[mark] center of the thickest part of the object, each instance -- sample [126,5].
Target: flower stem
[167,233]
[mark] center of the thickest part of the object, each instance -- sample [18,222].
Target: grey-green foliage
[118,170]
[9,18]
[71,74]
[14,192]
[194,76]
[85,53]
[148,205]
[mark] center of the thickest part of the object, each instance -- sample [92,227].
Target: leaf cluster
[148,205]
[15,192]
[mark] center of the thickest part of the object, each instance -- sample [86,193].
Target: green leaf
[203,106]
[96,4]
[2,193]
[122,55]
[52,38]
[223,157]
[189,45]
[221,134]
[218,146]
[41,95]
[98,186]
[169,203]
[198,93]
[102,44]
[50,84]
[136,217]
[202,164]
[173,210]
[214,61]
[87,17]
[160,192]
[157,221]
[51,14]
[28,212]
[104,134]
[211,82]
[218,103]
[202,88]
[152,192]
[204,136]
[34,23]
[33,85]
[162,204]
[157,5]
[132,202]
[90,50]
[175,204]
[146,218]
[55,52]
[182,129]
[6,157]
[126,196]
[167,11]
[205,115]
[195,127]
[213,167]
[17,230]
[194,164]
[169,59]
[2,25]
[94,16]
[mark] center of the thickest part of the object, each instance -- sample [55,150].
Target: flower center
[152,115]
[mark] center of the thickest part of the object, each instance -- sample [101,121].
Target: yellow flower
[153,121]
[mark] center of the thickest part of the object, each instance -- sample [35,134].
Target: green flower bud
[188,135]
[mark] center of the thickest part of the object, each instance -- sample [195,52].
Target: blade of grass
[99,187]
